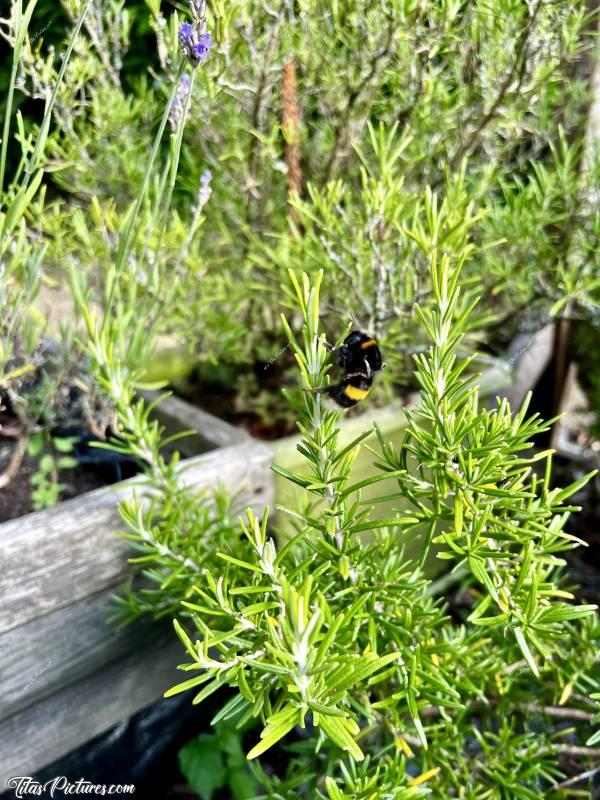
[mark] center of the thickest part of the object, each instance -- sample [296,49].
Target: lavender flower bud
[179,101]
[198,9]
[204,192]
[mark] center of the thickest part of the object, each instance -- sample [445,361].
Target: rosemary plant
[338,643]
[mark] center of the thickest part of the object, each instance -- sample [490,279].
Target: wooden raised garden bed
[67,675]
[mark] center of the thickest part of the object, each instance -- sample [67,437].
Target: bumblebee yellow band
[354,393]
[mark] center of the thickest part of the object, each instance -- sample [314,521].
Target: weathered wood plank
[529,356]
[47,654]
[55,557]
[45,731]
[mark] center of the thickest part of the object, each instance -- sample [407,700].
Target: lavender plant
[43,380]
[116,258]
[132,254]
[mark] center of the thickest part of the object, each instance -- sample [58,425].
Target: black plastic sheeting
[110,465]
[143,751]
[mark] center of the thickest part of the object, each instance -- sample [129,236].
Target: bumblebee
[360,358]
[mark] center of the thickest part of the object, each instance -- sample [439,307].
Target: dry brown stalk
[290,127]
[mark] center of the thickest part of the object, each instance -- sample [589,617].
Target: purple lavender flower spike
[204,193]
[194,39]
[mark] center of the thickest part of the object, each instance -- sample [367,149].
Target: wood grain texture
[45,731]
[47,654]
[58,556]
[529,355]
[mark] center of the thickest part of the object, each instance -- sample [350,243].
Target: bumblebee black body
[360,357]
[358,351]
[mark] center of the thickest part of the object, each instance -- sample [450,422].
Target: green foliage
[486,109]
[45,376]
[472,467]
[436,166]
[202,765]
[214,761]
[38,375]
[177,537]
[53,455]
[595,737]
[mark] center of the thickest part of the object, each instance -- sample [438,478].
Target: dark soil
[216,389]
[95,468]
[15,499]
[583,563]
[222,403]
